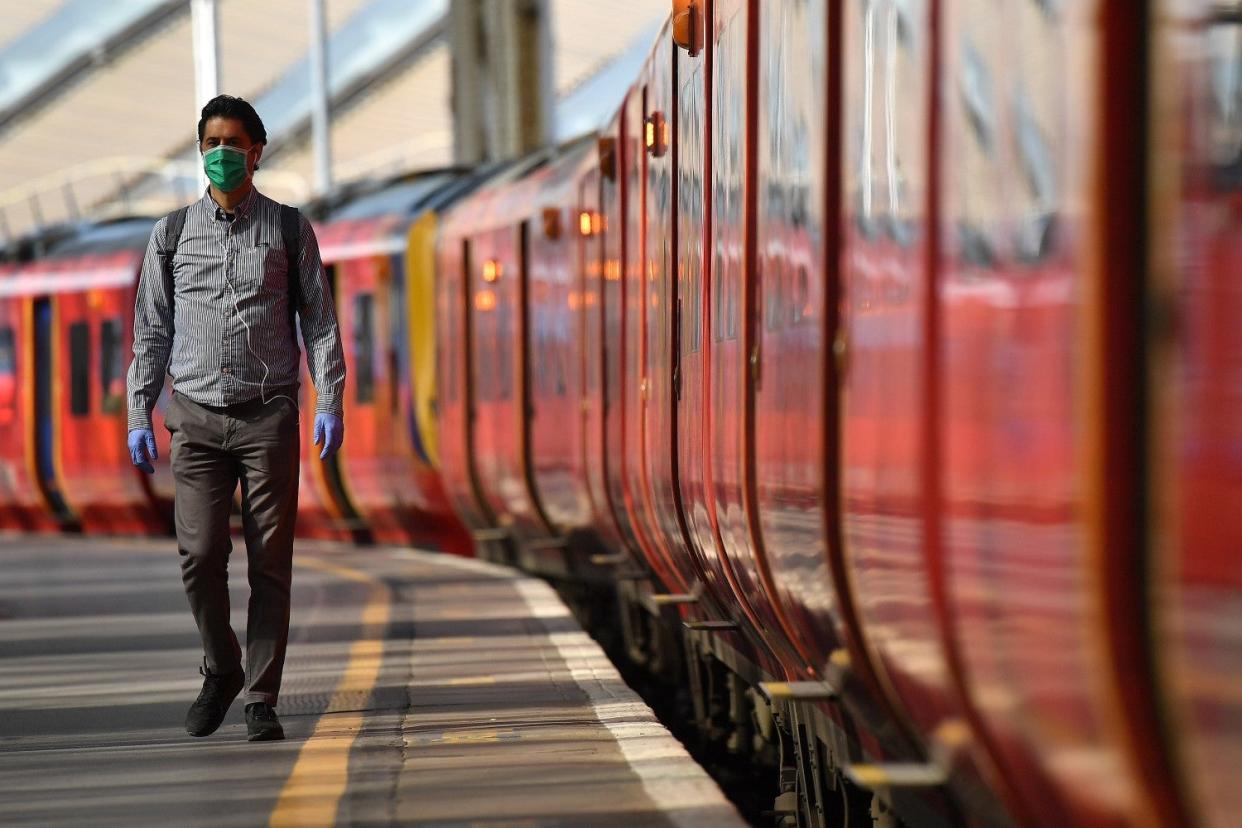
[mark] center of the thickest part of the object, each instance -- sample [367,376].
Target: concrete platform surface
[419,689]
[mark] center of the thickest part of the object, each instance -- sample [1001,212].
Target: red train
[884,348]
[877,356]
[66,323]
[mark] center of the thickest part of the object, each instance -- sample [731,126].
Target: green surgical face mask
[225,167]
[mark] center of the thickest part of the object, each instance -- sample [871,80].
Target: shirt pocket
[275,270]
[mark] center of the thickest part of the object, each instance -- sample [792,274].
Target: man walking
[216,302]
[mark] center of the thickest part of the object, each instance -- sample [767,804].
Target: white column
[204,20]
[321,136]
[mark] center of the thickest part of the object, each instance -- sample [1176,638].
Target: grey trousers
[212,450]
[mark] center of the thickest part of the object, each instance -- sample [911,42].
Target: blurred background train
[871,376]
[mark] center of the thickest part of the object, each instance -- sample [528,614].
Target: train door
[25,506]
[525,411]
[324,509]
[730,285]
[456,390]
[45,410]
[694,246]
[637,390]
[599,271]
[663,318]
[556,316]
[1015,153]
[500,371]
[886,511]
[1195,402]
[375,460]
[11,515]
[617,228]
[796,291]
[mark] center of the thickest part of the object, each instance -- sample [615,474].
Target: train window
[1224,57]
[503,333]
[79,369]
[8,378]
[731,299]
[561,355]
[689,309]
[718,293]
[724,322]
[8,353]
[772,292]
[364,347]
[111,369]
[802,296]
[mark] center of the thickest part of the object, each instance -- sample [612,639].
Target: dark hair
[226,106]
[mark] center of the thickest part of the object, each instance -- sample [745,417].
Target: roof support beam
[502,78]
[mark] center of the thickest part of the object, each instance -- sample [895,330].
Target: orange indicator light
[485,300]
[491,271]
[656,134]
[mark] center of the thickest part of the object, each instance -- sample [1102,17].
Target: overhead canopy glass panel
[376,35]
[74,33]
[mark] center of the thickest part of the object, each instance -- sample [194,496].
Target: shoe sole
[270,736]
[203,733]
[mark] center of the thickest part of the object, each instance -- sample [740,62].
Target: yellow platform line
[313,791]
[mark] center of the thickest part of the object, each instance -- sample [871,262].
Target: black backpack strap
[173,225]
[291,234]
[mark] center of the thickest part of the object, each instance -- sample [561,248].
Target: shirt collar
[241,210]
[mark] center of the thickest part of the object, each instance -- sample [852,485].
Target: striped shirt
[225,336]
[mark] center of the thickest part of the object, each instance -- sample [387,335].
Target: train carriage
[75,306]
[383,480]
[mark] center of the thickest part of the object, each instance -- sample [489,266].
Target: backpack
[290,233]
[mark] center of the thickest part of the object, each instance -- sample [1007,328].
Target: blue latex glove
[142,449]
[330,431]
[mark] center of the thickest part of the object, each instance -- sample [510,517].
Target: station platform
[420,689]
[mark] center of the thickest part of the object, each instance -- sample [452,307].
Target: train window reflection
[772,293]
[1034,152]
[1225,135]
[8,353]
[803,309]
[975,88]
[8,376]
[111,370]
[364,347]
[79,369]
[974,246]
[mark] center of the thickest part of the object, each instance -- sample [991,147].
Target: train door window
[111,370]
[8,353]
[720,298]
[79,369]
[8,376]
[503,327]
[802,309]
[364,347]
[772,292]
[733,285]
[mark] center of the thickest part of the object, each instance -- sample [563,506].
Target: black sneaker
[213,702]
[262,724]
